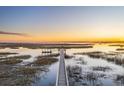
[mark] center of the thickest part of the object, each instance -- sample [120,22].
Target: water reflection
[95,70]
[46,74]
[48,78]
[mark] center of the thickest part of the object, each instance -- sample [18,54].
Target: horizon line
[65,42]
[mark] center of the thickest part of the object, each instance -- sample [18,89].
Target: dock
[62,78]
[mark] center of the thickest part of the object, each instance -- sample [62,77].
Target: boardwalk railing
[62,78]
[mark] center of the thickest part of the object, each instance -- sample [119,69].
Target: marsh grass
[96,54]
[18,76]
[14,59]
[120,79]
[4,75]
[68,56]
[10,61]
[51,55]
[21,57]
[23,81]
[118,45]
[42,46]
[73,70]
[22,75]
[77,78]
[27,70]
[120,49]
[110,57]
[6,53]
[27,75]
[82,62]
[45,60]
[98,68]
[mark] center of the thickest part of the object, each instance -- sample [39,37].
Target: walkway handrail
[60,71]
[66,75]
[57,78]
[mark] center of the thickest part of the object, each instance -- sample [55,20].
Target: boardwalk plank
[62,78]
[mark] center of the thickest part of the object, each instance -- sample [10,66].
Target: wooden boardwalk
[62,79]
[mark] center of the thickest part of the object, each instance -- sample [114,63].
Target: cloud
[12,33]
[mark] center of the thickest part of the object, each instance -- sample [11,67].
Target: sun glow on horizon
[56,24]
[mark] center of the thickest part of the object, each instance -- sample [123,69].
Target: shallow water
[44,78]
[110,75]
[49,77]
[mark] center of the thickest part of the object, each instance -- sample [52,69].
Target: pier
[62,78]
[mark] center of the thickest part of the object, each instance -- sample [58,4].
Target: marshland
[37,64]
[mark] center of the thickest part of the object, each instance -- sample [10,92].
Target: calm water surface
[109,78]
[49,77]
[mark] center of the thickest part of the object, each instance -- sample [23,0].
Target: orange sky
[11,38]
[45,24]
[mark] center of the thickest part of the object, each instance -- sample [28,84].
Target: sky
[67,23]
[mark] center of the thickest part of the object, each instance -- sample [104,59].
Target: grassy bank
[41,60]
[112,57]
[36,46]
[14,59]
[6,53]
